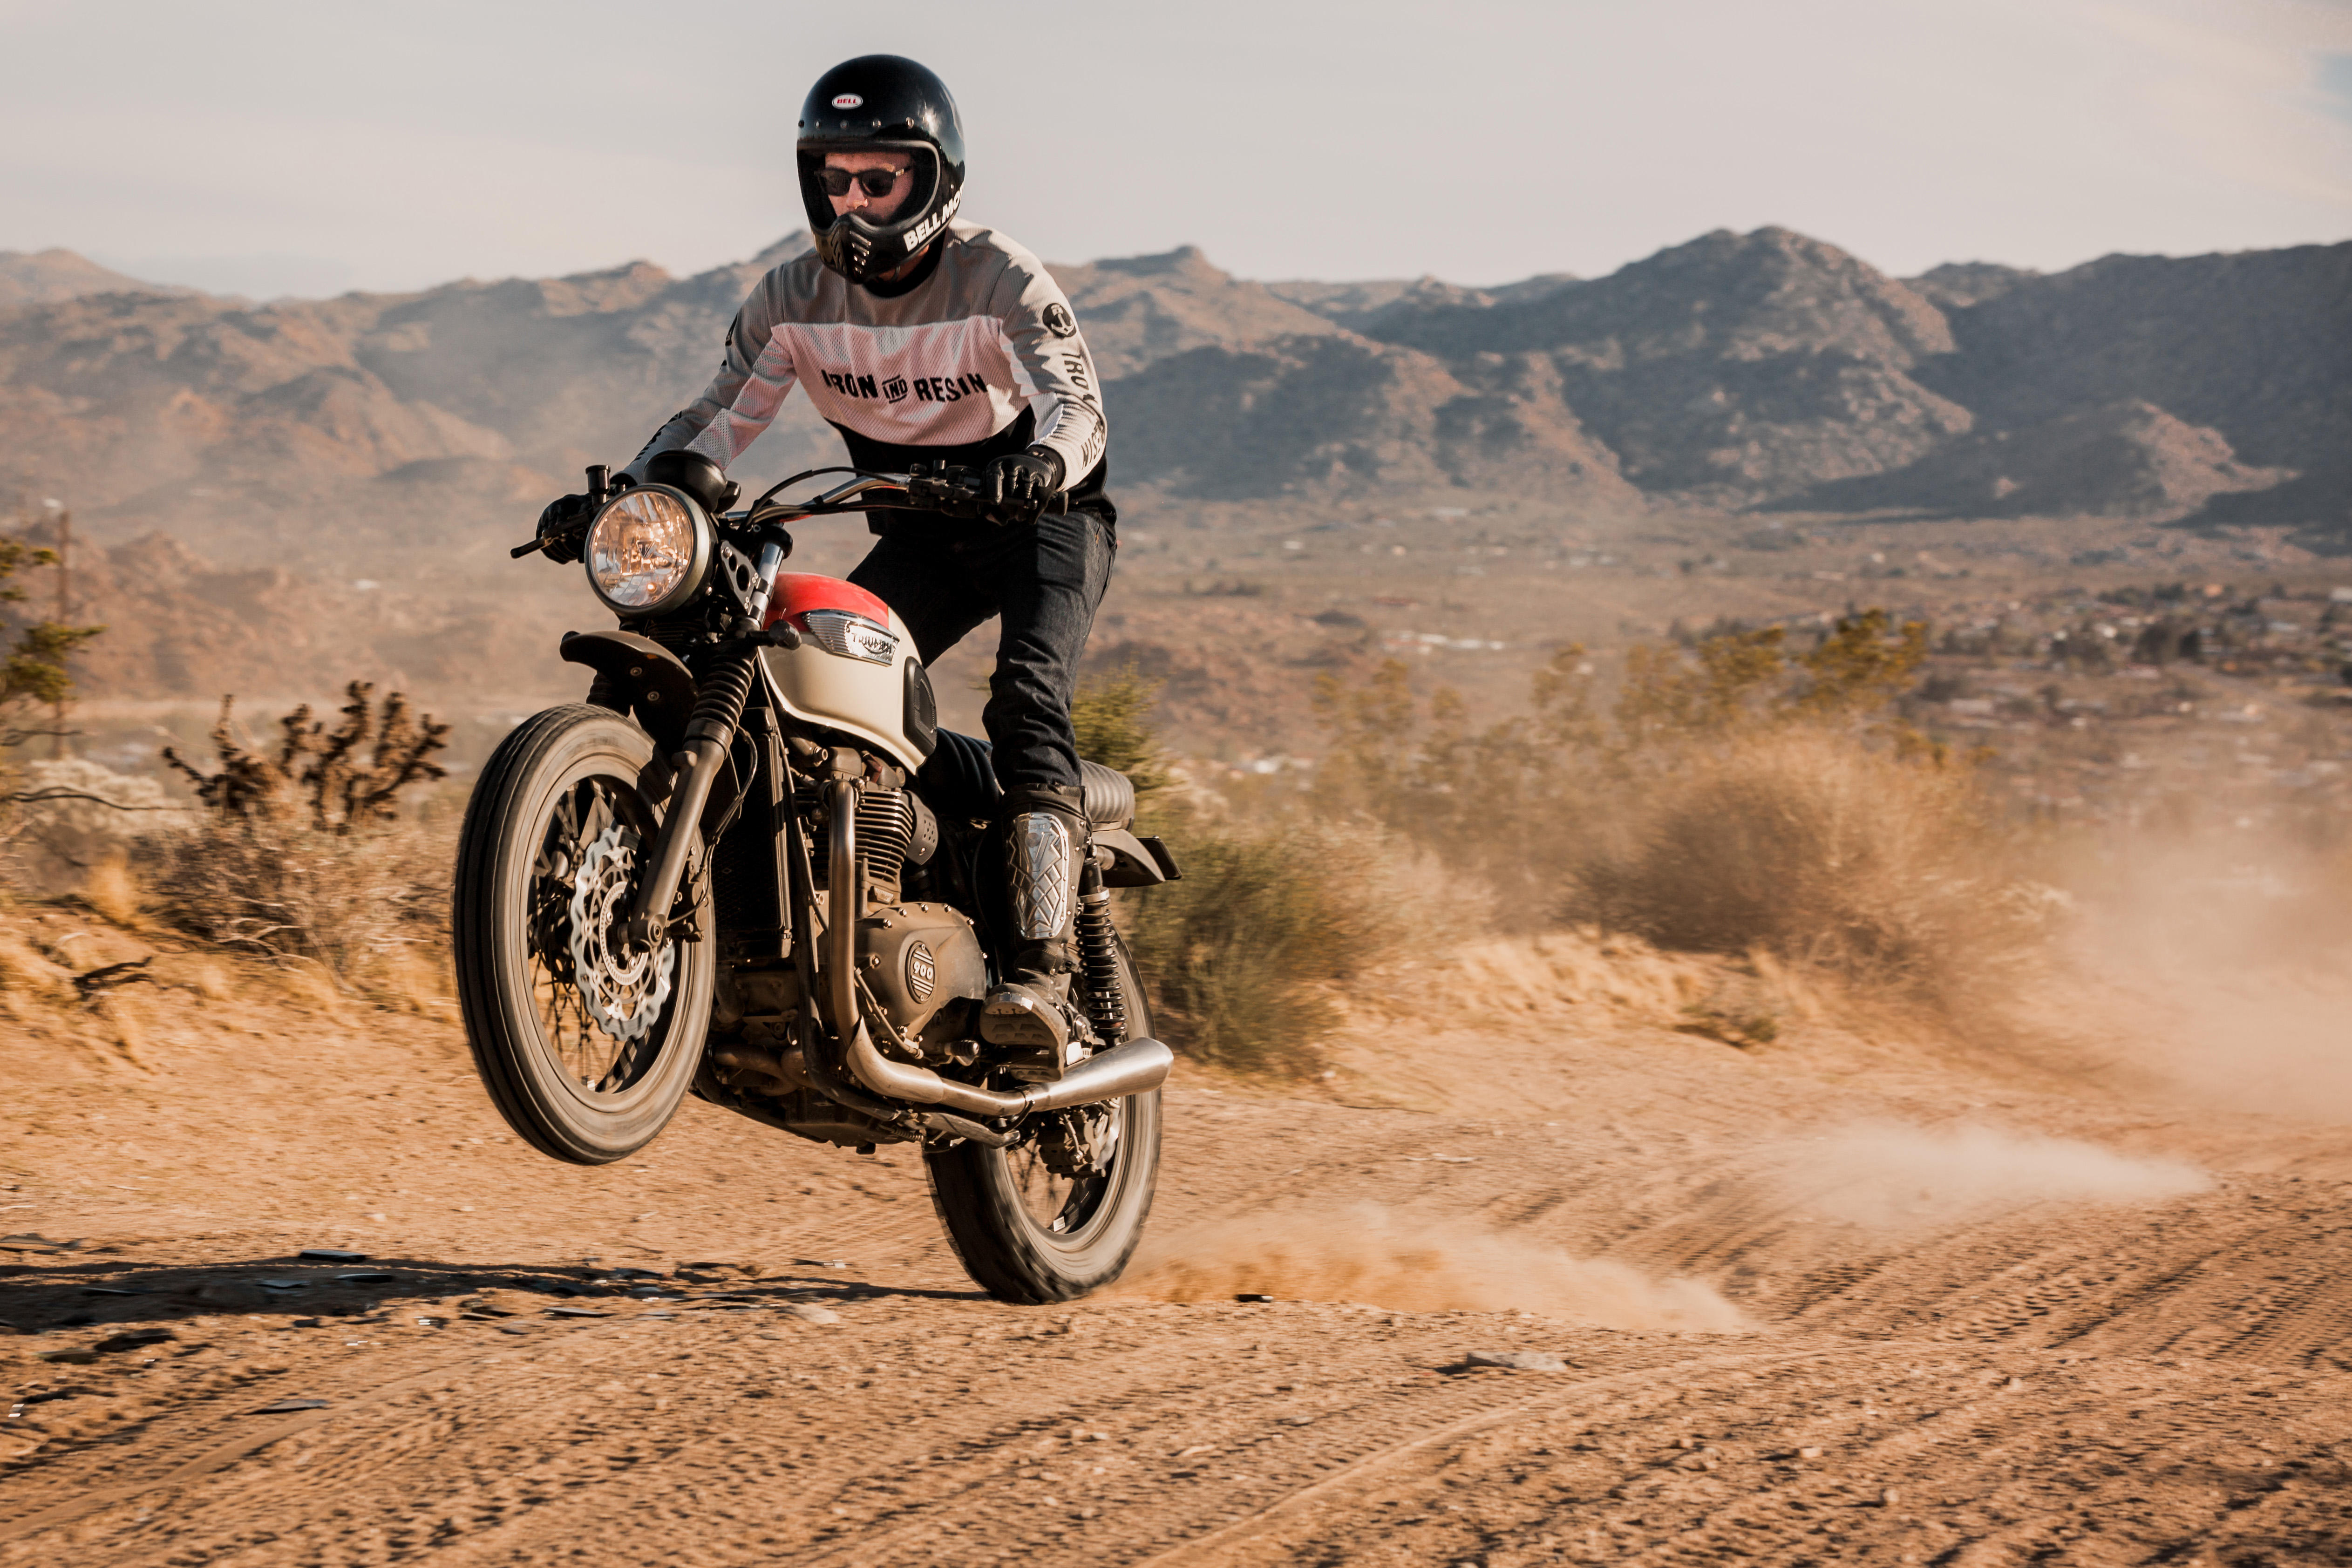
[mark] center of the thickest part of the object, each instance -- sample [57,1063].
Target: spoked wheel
[1058,1215]
[585,1046]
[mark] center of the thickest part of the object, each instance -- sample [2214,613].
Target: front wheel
[586,1048]
[1057,1216]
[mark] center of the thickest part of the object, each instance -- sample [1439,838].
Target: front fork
[719,701]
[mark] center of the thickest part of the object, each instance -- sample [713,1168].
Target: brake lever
[542,542]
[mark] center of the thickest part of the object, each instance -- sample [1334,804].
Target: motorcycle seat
[958,780]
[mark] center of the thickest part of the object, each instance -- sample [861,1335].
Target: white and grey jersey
[978,354]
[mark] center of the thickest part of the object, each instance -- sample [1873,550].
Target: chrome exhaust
[1135,1067]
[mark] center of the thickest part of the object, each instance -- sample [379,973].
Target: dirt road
[1837,1300]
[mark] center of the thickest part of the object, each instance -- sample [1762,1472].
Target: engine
[920,961]
[895,830]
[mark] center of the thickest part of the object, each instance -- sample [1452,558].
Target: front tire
[585,1050]
[1025,1234]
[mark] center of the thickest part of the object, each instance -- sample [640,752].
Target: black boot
[1044,833]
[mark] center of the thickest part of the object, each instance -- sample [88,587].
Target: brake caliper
[1080,1142]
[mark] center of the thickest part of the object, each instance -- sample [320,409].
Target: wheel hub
[1079,1143]
[623,989]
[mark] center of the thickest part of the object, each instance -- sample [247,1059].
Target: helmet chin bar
[860,250]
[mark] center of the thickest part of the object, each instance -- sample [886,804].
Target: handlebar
[939,488]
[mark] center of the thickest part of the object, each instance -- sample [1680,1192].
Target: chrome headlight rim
[689,587]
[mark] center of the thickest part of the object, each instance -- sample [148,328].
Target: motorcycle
[751,867]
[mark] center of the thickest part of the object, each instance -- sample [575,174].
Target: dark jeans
[1045,582]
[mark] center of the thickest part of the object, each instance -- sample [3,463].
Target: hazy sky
[266,147]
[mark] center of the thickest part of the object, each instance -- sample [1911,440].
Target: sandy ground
[1846,1297]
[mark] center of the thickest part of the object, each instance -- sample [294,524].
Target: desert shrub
[1111,713]
[1241,953]
[1808,844]
[303,853]
[1505,804]
[332,777]
[1741,795]
[76,815]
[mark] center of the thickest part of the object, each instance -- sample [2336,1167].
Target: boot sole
[1000,1024]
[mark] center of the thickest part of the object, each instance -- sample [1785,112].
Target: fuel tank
[855,669]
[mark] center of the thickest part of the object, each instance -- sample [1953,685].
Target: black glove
[562,527]
[1018,485]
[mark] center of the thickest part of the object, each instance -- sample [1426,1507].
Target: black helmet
[881,103]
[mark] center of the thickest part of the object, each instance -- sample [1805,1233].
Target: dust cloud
[1888,1175]
[2221,965]
[1378,1257]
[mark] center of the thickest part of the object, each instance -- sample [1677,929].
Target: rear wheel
[1058,1215]
[585,1046]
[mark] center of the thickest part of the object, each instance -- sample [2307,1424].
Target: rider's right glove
[562,529]
[1017,486]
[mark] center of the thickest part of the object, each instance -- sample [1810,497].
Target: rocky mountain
[1771,369]
[2255,347]
[1733,367]
[2121,459]
[1149,308]
[1956,285]
[416,434]
[37,278]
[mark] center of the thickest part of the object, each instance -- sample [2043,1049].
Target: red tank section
[798,593]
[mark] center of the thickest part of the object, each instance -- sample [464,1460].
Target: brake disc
[624,992]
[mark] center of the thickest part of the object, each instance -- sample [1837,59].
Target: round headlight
[648,551]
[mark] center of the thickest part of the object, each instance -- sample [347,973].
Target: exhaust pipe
[1135,1067]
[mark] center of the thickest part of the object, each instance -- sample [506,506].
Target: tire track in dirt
[2019,1382]
[215,1456]
[1364,1467]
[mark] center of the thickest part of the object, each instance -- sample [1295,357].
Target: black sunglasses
[876,183]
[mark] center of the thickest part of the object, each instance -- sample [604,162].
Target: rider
[922,339]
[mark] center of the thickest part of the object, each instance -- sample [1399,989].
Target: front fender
[653,683]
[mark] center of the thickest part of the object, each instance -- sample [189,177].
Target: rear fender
[1134,862]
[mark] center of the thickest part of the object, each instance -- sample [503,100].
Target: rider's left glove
[1018,485]
[562,529]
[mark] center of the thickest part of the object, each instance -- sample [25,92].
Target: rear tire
[567,800]
[1028,1237]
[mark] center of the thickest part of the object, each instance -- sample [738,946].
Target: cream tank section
[855,669]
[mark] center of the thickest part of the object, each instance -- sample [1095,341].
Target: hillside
[1733,372]
[40,277]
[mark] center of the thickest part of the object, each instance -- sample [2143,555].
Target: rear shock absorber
[1099,957]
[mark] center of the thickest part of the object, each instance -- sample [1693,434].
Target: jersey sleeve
[1055,371]
[755,375]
